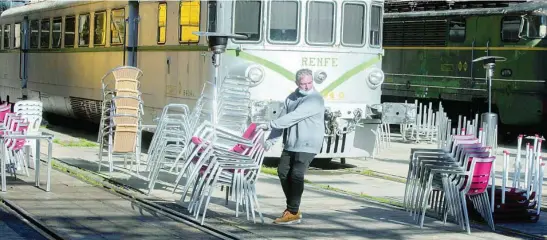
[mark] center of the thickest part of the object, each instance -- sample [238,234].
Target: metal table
[40,136]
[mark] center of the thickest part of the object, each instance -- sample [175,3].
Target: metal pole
[490,74]
[216,84]
[490,129]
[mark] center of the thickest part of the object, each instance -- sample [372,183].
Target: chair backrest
[127,77]
[462,148]
[30,110]
[125,139]
[248,134]
[479,175]
[19,143]
[3,111]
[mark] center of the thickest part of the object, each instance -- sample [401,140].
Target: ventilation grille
[332,144]
[86,109]
[415,32]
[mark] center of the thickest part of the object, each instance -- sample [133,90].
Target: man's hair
[303,72]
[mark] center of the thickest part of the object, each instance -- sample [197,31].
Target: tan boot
[288,218]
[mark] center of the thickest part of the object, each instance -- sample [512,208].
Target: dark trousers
[291,170]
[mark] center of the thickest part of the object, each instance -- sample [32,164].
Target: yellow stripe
[468,48]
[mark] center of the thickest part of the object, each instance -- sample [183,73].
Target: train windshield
[535,26]
[284,18]
[320,21]
[315,23]
[247,19]
[353,24]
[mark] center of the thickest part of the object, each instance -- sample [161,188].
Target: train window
[212,16]
[375,26]
[510,28]
[44,33]
[34,33]
[7,31]
[70,31]
[17,35]
[247,19]
[321,22]
[353,26]
[56,32]
[535,26]
[117,27]
[284,19]
[162,22]
[99,38]
[83,30]
[457,30]
[189,21]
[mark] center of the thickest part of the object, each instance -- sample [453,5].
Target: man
[303,120]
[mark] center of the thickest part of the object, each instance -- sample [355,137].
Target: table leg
[37,163]
[49,149]
[3,165]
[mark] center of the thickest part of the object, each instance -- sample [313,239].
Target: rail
[27,218]
[177,216]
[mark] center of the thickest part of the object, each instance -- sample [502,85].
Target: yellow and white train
[58,51]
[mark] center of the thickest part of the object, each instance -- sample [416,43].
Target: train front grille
[331,144]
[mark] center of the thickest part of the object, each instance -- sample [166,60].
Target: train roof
[532,6]
[41,6]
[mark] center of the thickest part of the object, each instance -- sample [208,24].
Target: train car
[429,55]
[67,46]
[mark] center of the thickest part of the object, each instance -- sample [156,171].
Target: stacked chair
[210,152]
[24,120]
[444,178]
[120,126]
[31,111]
[521,200]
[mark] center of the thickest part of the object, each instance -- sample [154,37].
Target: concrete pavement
[327,214]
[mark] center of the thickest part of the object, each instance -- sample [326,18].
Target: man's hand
[264,127]
[268,144]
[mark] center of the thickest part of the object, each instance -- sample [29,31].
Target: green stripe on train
[290,76]
[274,67]
[352,72]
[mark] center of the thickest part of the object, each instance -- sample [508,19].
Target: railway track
[50,234]
[177,216]
[29,220]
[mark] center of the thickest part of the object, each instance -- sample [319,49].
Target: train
[429,53]
[58,51]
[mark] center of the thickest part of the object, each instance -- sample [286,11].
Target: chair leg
[466,216]
[253,194]
[207,187]
[488,211]
[211,189]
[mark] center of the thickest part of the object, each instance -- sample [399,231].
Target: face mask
[304,92]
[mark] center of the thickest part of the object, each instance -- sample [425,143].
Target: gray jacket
[304,119]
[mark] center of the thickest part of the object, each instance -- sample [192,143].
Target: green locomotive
[428,56]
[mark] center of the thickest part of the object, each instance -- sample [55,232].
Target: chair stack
[444,178]
[227,152]
[233,104]
[13,152]
[31,111]
[121,116]
[520,201]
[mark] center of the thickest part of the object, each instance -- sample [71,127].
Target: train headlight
[255,73]
[320,76]
[375,78]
